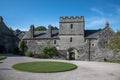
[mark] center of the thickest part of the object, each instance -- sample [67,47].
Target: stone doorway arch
[72,54]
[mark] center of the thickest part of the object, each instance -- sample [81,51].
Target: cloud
[97,11]
[95,22]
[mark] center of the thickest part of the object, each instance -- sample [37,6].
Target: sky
[20,14]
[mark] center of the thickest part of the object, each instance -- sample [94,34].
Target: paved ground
[85,71]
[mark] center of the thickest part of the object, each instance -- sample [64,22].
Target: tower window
[71,26]
[71,39]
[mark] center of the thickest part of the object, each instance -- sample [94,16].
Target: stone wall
[36,45]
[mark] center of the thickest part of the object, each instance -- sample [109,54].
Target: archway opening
[72,55]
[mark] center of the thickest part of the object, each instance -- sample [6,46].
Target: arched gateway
[72,53]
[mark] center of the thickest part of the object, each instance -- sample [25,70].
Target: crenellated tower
[71,31]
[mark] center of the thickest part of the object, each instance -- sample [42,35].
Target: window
[71,39]
[92,44]
[71,26]
[54,41]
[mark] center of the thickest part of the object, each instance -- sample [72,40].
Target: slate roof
[55,34]
[41,34]
[91,33]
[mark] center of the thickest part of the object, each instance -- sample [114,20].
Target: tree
[48,51]
[40,28]
[21,46]
[17,32]
[11,29]
[54,28]
[114,43]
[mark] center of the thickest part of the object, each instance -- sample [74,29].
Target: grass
[114,61]
[44,67]
[2,57]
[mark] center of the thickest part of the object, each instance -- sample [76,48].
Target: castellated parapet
[71,19]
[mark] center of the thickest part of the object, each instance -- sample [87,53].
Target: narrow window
[71,26]
[71,39]
[54,41]
[92,44]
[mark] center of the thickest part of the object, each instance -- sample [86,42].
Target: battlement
[71,18]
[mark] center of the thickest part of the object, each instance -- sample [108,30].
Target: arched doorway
[72,54]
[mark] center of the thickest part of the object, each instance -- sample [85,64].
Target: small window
[71,39]
[92,44]
[54,41]
[71,26]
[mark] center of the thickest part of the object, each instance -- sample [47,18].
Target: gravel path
[85,71]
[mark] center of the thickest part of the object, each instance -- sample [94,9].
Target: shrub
[29,54]
[37,55]
[48,51]
[21,47]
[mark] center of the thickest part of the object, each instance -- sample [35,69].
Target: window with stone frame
[71,26]
[70,39]
[54,41]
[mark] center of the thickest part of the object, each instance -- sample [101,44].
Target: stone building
[8,41]
[72,40]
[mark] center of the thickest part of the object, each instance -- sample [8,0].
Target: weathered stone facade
[72,38]
[8,41]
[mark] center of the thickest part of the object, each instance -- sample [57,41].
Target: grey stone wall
[71,31]
[36,45]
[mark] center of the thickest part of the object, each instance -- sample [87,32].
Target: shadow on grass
[5,69]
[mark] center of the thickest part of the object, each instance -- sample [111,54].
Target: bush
[37,55]
[29,54]
[48,51]
[21,47]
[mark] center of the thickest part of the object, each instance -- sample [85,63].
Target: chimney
[1,19]
[32,31]
[49,32]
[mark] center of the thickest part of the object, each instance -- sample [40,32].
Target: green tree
[40,28]
[114,43]
[54,28]
[17,32]
[21,47]
[11,29]
[48,51]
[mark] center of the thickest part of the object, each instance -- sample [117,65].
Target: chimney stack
[32,31]
[49,31]
[1,19]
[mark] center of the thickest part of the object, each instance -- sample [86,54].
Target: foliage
[37,56]
[21,46]
[44,67]
[17,32]
[48,51]
[2,57]
[54,28]
[29,54]
[114,61]
[114,43]
[40,28]
[11,29]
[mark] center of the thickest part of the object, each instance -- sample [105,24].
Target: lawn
[44,67]
[114,61]
[2,57]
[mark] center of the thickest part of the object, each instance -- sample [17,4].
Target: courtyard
[87,70]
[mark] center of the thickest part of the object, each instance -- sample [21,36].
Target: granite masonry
[72,39]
